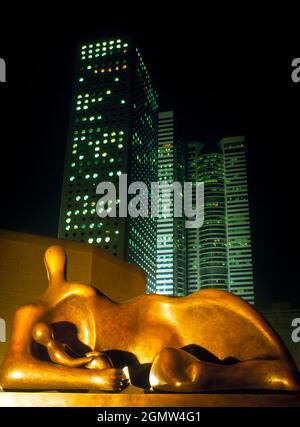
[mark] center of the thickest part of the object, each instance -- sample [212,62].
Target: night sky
[221,80]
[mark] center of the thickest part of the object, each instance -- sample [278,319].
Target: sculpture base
[134,397]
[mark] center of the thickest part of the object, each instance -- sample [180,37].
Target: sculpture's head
[55,262]
[42,334]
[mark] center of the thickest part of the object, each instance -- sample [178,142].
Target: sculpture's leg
[176,370]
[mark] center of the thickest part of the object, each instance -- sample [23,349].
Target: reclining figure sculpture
[74,337]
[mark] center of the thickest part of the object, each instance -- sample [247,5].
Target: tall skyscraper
[171,251]
[207,255]
[113,131]
[219,253]
[239,252]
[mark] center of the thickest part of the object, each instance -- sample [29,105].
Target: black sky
[220,80]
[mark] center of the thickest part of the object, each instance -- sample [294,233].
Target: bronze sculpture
[74,337]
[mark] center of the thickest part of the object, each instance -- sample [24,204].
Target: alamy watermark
[296,332]
[2,71]
[2,330]
[296,71]
[162,199]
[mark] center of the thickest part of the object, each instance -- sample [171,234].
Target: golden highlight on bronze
[75,338]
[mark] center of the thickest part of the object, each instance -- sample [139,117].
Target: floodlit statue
[74,337]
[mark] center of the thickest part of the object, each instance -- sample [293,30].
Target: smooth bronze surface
[73,334]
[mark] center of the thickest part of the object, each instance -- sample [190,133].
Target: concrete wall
[23,276]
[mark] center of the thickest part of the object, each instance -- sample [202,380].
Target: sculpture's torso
[145,325]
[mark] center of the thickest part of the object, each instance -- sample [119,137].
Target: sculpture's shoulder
[30,308]
[82,290]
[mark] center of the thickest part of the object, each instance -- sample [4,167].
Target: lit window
[98,240]
[107,239]
[123,101]
[108,92]
[104,154]
[90,240]
[72,178]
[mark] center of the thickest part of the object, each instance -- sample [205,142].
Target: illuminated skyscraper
[239,253]
[171,258]
[113,130]
[219,253]
[207,255]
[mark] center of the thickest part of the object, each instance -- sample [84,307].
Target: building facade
[238,233]
[113,131]
[219,253]
[171,248]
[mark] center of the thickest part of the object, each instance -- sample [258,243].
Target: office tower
[219,253]
[171,263]
[207,255]
[239,253]
[113,131]
[192,235]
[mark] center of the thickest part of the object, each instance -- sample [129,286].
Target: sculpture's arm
[21,370]
[42,334]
